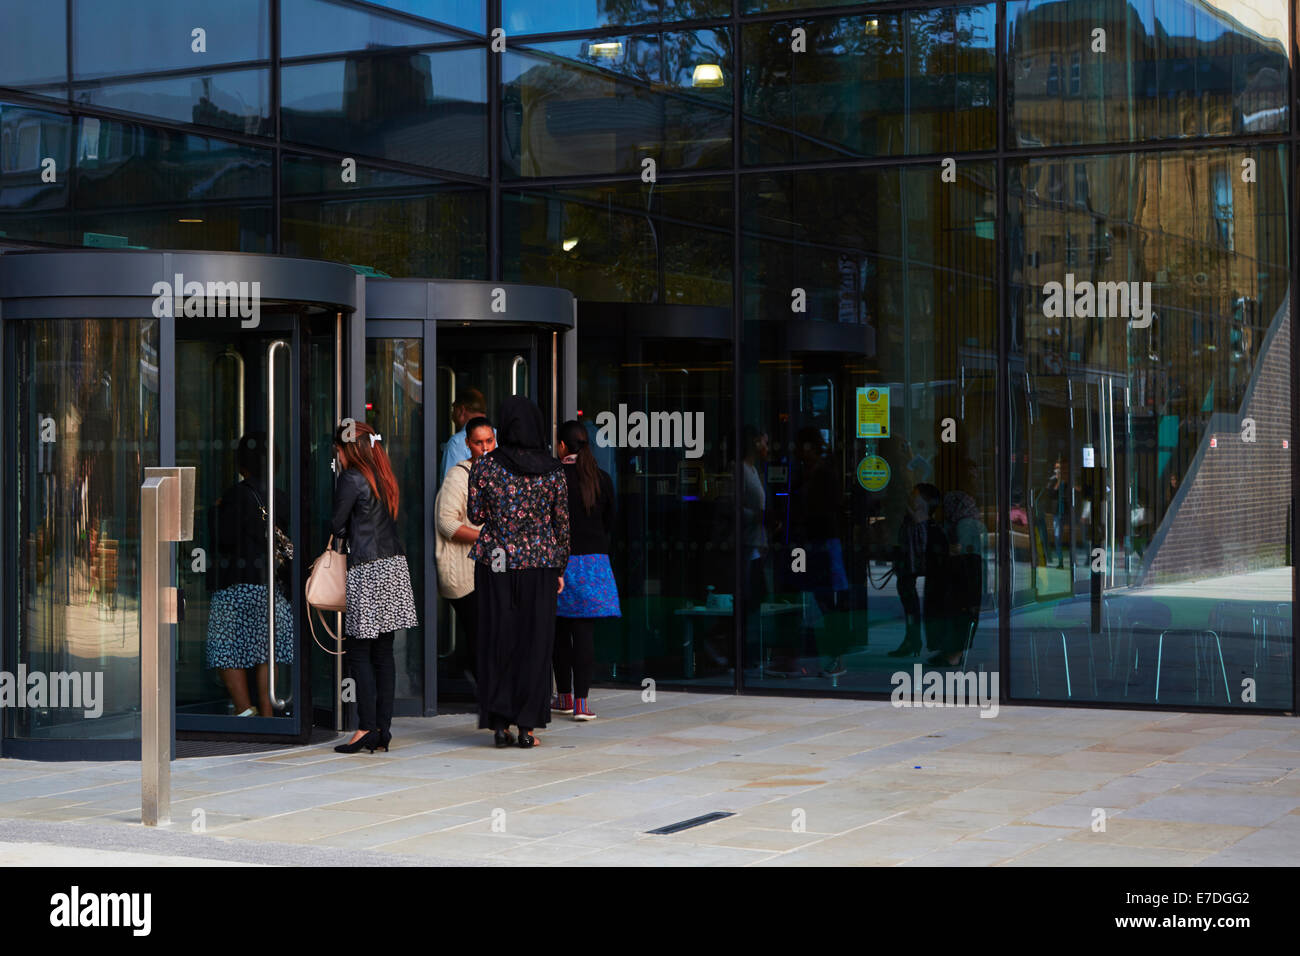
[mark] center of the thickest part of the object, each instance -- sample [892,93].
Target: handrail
[514,378]
[276,702]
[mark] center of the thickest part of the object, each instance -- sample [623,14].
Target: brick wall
[1231,510]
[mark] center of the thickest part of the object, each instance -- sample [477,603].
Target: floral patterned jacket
[526,516]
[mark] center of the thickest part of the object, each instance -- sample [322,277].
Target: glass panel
[495,365]
[870,85]
[762,6]
[198,192]
[577,107]
[395,408]
[310,27]
[35,57]
[612,243]
[31,208]
[428,109]
[870,358]
[1169,69]
[131,36]
[391,223]
[239,100]
[222,416]
[528,16]
[1151,469]
[318,334]
[673,547]
[86,426]
[468,14]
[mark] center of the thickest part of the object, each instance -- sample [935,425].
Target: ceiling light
[189,220]
[608,49]
[569,244]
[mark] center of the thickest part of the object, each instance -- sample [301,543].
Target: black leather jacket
[361,522]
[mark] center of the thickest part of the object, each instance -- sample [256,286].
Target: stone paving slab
[807,781]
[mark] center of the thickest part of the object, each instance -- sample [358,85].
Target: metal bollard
[166,515]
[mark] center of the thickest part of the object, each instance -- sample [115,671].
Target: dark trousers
[575,655]
[370,662]
[516,631]
[467,623]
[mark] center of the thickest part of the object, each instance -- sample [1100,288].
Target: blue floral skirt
[237,627]
[589,589]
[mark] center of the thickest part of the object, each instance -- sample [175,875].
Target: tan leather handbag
[327,590]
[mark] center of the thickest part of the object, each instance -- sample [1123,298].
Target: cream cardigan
[455,569]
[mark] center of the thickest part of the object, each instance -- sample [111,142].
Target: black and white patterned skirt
[379,598]
[237,627]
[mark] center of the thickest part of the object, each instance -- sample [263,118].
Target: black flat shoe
[503,738]
[526,739]
[370,741]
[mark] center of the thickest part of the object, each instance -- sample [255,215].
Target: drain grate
[693,822]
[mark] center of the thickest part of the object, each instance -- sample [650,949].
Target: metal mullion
[277,154]
[69,47]
[740,601]
[1293,260]
[1002,376]
[495,120]
[1293,207]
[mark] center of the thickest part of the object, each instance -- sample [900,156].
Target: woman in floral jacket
[519,495]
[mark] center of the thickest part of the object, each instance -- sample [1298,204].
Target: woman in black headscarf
[519,495]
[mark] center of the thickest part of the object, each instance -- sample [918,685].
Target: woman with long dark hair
[379,596]
[518,495]
[589,589]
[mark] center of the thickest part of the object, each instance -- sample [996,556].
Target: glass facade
[975,318]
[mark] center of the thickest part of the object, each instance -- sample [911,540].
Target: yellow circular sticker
[873,473]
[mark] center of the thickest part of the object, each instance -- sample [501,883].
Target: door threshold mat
[232,748]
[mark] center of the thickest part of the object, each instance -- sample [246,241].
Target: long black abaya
[516,636]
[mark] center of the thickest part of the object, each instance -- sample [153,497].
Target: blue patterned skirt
[237,627]
[589,589]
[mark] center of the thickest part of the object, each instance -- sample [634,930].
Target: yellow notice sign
[873,412]
[873,473]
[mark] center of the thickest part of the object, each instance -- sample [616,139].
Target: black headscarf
[522,447]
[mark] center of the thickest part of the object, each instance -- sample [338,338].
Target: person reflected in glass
[920,552]
[455,538]
[380,599]
[814,512]
[965,574]
[1058,500]
[237,635]
[519,496]
[589,589]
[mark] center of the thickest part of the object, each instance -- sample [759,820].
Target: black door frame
[399,307]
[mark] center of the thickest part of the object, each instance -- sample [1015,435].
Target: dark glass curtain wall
[972,320]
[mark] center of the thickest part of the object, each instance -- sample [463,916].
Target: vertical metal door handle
[276,702]
[514,373]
